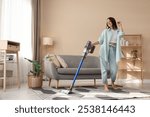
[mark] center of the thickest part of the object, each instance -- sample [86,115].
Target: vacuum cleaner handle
[87,48]
[92,49]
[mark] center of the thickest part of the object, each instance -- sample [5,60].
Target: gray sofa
[89,70]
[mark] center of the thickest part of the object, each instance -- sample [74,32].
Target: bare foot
[114,86]
[106,88]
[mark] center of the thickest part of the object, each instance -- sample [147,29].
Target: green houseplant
[35,75]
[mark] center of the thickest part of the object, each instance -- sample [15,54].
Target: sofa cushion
[83,71]
[53,58]
[62,62]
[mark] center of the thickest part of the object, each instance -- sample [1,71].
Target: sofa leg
[50,81]
[57,84]
[94,82]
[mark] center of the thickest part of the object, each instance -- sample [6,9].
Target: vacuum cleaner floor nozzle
[66,91]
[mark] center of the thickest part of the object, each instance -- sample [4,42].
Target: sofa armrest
[50,69]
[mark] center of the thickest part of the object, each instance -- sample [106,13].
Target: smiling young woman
[109,42]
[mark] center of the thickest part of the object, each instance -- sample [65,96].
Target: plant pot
[34,81]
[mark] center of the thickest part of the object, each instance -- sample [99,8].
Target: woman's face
[109,23]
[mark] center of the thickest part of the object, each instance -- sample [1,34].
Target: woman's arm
[120,26]
[100,39]
[95,43]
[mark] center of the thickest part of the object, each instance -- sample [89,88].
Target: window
[16,25]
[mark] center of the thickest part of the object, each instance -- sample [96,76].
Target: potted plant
[35,75]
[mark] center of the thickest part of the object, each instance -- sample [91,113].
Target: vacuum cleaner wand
[88,48]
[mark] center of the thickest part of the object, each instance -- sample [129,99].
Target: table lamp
[47,41]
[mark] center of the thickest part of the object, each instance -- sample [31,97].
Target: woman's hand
[95,43]
[120,25]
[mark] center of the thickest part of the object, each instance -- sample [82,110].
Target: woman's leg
[113,65]
[103,64]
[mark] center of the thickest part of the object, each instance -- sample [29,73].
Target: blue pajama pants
[111,64]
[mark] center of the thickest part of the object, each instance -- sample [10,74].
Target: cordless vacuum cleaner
[89,48]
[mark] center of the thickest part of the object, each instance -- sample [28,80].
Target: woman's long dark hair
[113,21]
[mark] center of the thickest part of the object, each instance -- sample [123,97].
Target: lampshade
[47,41]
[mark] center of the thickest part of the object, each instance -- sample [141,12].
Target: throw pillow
[53,58]
[62,62]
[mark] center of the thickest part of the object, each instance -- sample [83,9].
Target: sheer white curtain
[16,25]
